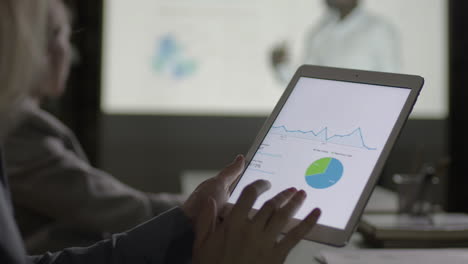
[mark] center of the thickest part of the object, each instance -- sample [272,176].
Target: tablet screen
[326,140]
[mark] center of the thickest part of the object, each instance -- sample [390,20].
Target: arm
[167,238]
[280,61]
[284,66]
[52,180]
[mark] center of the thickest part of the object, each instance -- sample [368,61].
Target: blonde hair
[22,53]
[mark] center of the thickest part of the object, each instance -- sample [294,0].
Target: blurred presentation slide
[220,57]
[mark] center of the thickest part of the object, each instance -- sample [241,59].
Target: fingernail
[239,157]
[292,190]
[302,193]
[316,212]
[268,183]
[314,216]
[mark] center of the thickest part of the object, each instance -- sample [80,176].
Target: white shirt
[360,41]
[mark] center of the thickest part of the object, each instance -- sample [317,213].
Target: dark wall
[458,181]
[150,152]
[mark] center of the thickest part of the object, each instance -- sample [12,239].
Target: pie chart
[324,173]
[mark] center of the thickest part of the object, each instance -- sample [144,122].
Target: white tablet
[330,135]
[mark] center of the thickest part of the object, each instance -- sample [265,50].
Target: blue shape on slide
[167,50]
[170,59]
[329,178]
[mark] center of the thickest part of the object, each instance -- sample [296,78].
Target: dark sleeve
[50,179]
[11,246]
[167,238]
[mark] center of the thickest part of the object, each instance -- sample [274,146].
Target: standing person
[167,238]
[59,199]
[349,37]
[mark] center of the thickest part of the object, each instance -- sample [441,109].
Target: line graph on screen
[352,139]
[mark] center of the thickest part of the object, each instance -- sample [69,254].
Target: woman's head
[58,52]
[22,53]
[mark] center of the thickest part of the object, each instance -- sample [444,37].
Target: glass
[415,191]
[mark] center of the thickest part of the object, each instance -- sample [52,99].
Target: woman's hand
[239,239]
[216,189]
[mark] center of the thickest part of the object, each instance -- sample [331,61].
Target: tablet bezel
[321,233]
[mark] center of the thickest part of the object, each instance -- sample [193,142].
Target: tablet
[330,135]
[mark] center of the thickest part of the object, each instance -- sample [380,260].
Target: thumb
[230,174]
[205,225]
